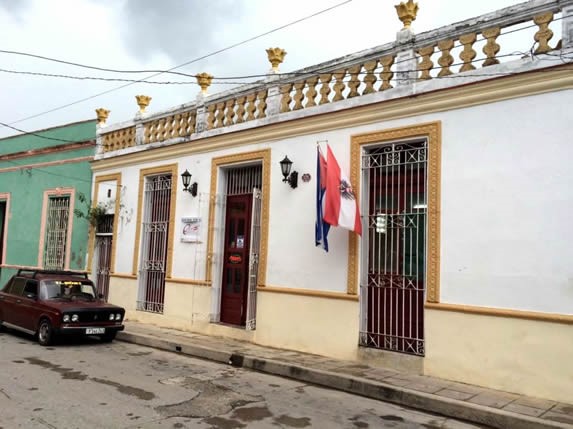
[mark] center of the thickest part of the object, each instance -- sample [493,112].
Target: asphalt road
[87,384]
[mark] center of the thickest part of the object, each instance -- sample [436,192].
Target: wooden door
[236,259]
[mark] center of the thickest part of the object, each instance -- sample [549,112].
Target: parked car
[49,303]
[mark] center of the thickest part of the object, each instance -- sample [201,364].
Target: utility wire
[170,71]
[250,39]
[290,75]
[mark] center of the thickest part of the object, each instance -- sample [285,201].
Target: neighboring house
[460,156]
[42,174]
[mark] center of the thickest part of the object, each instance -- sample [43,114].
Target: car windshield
[67,289]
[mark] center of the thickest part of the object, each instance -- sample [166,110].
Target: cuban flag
[321,228]
[341,206]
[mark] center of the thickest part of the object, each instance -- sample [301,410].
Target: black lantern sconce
[192,189]
[288,177]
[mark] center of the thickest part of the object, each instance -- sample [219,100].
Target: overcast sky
[160,34]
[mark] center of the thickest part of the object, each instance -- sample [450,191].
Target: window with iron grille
[155,234]
[394,277]
[57,217]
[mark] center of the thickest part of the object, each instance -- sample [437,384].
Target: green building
[42,177]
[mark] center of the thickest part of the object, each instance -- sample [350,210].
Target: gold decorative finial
[407,12]
[102,115]
[276,56]
[142,102]
[204,80]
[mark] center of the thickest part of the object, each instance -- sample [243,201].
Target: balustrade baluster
[262,104]
[446,59]
[241,109]
[251,106]
[298,95]
[386,75]
[229,112]
[468,53]
[220,115]
[311,91]
[370,78]
[325,87]
[426,64]
[285,97]
[544,35]
[339,86]
[491,48]
[354,82]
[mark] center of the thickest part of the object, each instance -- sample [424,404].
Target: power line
[561,56]
[188,62]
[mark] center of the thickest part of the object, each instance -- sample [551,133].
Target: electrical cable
[189,62]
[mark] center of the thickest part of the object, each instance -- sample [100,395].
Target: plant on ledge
[93,214]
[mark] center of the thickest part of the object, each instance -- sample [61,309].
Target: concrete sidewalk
[489,407]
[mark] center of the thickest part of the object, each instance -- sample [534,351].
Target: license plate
[93,331]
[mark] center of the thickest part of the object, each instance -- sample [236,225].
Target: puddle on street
[71,374]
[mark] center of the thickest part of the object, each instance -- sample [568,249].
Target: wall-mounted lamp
[186,177]
[290,178]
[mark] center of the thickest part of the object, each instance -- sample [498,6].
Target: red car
[52,303]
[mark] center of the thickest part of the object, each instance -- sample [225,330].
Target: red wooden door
[236,260]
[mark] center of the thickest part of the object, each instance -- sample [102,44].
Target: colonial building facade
[458,156]
[42,178]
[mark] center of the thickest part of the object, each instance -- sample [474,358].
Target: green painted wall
[27,185]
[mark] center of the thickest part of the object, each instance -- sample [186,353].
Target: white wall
[507,203]
[506,207]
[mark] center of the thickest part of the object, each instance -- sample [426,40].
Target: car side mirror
[31,296]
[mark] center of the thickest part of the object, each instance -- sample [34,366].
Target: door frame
[213,267]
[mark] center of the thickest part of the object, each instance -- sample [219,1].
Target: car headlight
[75,318]
[66,318]
[111,316]
[118,316]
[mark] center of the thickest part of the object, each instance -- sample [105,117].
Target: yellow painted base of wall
[529,357]
[318,325]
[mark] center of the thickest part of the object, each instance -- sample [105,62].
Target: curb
[474,413]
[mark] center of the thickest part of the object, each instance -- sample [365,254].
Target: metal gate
[254,260]
[103,242]
[56,233]
[393,286]
[155,232]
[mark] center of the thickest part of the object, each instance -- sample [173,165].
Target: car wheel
[109,337]
[45,333]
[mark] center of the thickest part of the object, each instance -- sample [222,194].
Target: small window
[17,286]
[31,288]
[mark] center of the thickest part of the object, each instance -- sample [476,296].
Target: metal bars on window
[242,180]
[393,287]
[103,242]
[155,233]
[56,233]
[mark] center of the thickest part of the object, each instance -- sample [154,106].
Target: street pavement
[88,384]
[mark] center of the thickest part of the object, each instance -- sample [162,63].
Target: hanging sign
[190,229]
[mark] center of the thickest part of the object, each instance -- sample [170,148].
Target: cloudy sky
[161,34]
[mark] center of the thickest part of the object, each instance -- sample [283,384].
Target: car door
[11,297]
[27,310]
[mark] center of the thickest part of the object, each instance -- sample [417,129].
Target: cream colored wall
[322,326]
[516,355]
[123,292]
